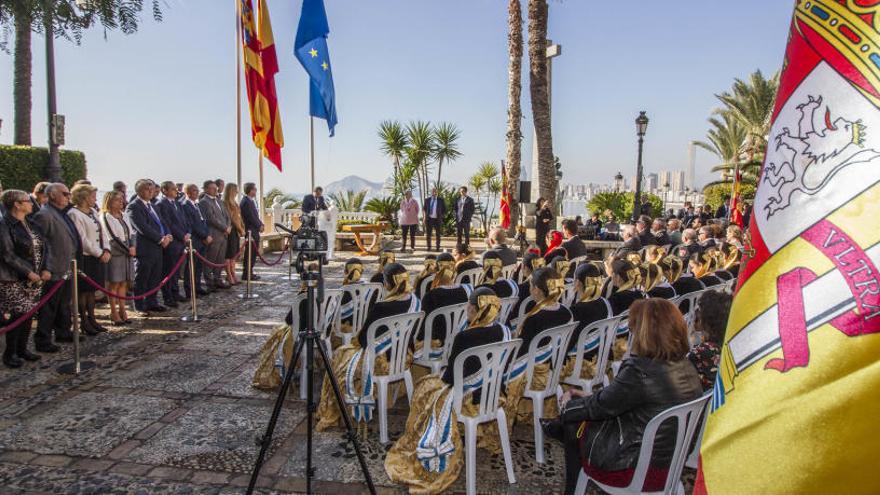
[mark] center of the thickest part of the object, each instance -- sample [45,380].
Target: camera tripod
[308,339]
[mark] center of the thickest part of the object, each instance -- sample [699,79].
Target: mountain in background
[356,184]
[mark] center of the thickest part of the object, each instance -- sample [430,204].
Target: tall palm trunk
[22,79]
[439,171]
[514,107]
[540,95]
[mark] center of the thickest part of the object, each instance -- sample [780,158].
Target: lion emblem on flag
[806,161]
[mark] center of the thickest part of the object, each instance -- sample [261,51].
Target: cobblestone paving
[169,409]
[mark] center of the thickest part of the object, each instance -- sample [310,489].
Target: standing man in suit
[314,202]
[435,210]
[464,212]
[250,215]
[219,226]
[151,237]
[172,216]
[201,238]
[38,198]
[64,245]
[723,211]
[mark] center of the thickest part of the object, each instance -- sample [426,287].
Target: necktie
[156,219]
[433,207]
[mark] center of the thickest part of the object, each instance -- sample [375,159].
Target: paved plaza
[170,409]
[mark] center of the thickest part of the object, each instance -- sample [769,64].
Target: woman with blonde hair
[352,273]
[95,249]
[348,363]
[589,305]
[735,235]
[625,278]
[386,256]
[654,283]
[702,265]
[429,268]
[233,241]
[429,455]
[120,271]
[502,287]
[441,293]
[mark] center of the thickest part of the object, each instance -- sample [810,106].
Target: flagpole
[312,149]
[260,196]
[238,94]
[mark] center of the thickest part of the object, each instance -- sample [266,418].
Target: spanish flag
[796,404]
[504,207]
[260,67]
[736,203]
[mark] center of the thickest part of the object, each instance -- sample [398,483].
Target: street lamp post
[54,168]
[665,197]
[641,128]
[618,181]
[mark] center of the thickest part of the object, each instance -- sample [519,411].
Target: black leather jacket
[16,249]
[619,413]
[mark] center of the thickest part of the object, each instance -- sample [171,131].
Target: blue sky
[161,103]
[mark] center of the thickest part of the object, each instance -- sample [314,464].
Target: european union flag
[311,50]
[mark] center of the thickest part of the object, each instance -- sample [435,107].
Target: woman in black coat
[602,433]
[543,224]
[22,273]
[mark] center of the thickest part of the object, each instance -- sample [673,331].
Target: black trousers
[412,235]
[573,466]
[147,275]
[435,225]
[250,252]
[171,290]
[463,229]
[55,315]
[197,267]
[16,339]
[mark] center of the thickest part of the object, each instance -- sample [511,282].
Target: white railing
[290,216]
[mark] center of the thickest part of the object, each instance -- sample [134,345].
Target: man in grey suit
[64,245]
[220,227]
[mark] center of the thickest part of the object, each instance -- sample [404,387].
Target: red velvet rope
[218,265]
[143,296]
[272,263]
[55,288]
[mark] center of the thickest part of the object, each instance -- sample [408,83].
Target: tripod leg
[345,417]
[266,440]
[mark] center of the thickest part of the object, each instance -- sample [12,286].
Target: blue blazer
[147,233]
[250,215]
[172,216]
[198,227]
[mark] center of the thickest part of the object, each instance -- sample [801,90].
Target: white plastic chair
[507,305]
[622,330]
[694,457]
[452,317]
[494,361]
[730,286]
[686,417]
[693,300]
[555,342]
[523,308]
[507,271]
[325,316]
[473,277]
[425,286]
[569,294]
[603,333]
[399,329]
[577,260]
[361,296]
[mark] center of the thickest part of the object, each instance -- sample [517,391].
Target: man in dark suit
[173,217]
[644,232]
[464,212]
[250,215]
[658,232]
[573,245]
[38,198]
[64,245]
[631,241]
[434,210]
[314,202]
[724,210]
[201,238]
[219,226]
[497,242]
[151,237]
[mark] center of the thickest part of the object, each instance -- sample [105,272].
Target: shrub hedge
[23,166]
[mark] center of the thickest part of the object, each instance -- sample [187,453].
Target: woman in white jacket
[95,250]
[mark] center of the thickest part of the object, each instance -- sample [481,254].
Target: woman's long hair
[354,269]
[555,240]
[672,267]
[651,275]
[547,282]
[488,306]
[397,284]
[590,278]
[626,273]
[229,200]
[445,271]
[658,330]
[429,268]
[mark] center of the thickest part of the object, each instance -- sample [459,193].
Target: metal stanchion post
[249,264]
[76,366]
[194,317]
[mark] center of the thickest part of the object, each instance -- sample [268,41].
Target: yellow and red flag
[504,207]
[260,67]
[736,204]
[795,407]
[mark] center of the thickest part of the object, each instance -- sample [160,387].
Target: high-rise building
[651,182]
[679,182]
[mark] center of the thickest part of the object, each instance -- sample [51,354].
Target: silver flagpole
[312,149]
[238,92]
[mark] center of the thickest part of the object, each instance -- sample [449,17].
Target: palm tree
[394,141]
[421,146]
[403,179]
[540,96]
[68,20]
[725,140]
[445,146]
[751,104]
[350,200]
[514,105]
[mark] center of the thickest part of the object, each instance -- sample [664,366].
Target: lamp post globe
[641,129]
[618,181]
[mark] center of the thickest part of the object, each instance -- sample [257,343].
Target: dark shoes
[171,304]
[202,292]
[48,348]
[28,355]
[12,361]
[157,309]
[66,337]
[552,429]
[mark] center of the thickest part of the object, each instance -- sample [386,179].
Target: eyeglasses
[66,194]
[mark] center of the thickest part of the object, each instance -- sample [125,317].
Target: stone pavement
[169,409]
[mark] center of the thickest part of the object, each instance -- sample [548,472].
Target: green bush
[621,204]
[714,195]
[23,166]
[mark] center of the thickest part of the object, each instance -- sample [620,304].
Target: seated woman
[353,271]
[653,254]
[348,360]
[502,287]
[531,262]
[687,282]
[385,257]
[654,284]
[441,293]
[464,260]
[702,265]
[711,322]
[554,245]
[546,289]
[625,277]
[589,307]
[727,262]
[608,425]
[429,269]
[671,266]
[562,266]
[429,456]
